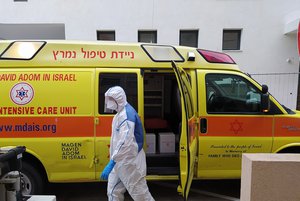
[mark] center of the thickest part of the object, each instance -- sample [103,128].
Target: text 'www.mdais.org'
[28,128]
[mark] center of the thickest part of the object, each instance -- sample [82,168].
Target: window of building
[106,35]
[128,81]
[147,36]
[231,39]
[189,38]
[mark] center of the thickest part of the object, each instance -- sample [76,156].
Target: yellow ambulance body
[200,112]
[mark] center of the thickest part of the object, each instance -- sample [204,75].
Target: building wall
[268,43]
[49,31]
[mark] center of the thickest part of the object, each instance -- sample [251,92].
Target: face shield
[110,105]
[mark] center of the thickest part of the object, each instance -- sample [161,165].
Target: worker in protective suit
[126,169]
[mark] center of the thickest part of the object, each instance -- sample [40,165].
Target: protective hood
[118,94]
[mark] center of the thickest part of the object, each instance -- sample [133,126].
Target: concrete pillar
[270,177]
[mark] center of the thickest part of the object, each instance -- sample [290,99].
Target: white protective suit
[126,150]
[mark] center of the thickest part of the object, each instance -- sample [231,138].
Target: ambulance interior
[162,117]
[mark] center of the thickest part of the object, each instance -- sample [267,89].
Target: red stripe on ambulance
[33,127]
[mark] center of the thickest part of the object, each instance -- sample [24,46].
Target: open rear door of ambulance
[188,139]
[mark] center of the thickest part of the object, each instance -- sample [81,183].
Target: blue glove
[107,170]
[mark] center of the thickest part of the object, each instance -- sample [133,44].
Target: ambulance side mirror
[265,99]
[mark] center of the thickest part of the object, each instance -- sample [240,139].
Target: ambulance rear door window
[128,81]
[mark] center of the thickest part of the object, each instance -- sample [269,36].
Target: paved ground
[219,190]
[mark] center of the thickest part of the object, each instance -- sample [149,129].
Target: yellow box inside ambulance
[53,103]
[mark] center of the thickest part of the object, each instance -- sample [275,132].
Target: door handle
[96,121]
[203,125]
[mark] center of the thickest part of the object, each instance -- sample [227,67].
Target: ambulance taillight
[216,57]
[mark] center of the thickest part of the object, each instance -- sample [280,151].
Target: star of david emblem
[236,126]
[22,93]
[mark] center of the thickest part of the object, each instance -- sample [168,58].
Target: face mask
[111,104]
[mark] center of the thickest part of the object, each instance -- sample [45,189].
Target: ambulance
[200,112]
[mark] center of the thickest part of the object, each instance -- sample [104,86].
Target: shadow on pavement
[204,190]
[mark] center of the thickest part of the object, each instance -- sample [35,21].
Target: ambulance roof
[107,54]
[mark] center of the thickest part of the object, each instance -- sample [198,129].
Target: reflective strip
[31,127]
[103,129]
[287,127]
[239,126]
